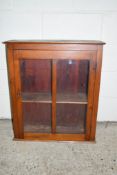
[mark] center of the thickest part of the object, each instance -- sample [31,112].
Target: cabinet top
[55,42]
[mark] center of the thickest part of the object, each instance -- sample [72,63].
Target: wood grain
[91,82]
[12,90]
[96,92]
[18,101]
[57,137]
[33,68]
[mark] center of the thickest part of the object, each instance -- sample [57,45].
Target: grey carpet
[59,158]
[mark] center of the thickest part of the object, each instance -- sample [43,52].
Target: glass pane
[36,94]
[72,92]
[71,118]
[37,117]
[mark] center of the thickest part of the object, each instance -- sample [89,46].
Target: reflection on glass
[37,117]
[71,118]
[36,95]
[72,92]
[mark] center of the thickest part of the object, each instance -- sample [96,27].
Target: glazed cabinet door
[54,92]
[74,94]
[34,94]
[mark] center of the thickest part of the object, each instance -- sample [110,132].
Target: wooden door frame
[18,94]
[91,84]
[25,54]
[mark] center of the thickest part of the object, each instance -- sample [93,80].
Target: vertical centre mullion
[53,96]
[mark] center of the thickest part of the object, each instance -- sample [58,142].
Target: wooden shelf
[78,98]
[37,128]
[36,97]
[70,129]
[59,129]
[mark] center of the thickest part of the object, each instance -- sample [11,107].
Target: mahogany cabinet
[54,88]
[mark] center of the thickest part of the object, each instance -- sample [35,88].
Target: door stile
[18,94]
[53,96]
[92,70]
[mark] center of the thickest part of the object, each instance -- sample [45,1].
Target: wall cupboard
[54,88]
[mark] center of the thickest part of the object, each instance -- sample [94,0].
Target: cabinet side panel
[90,95]
[96,92]
[10,70]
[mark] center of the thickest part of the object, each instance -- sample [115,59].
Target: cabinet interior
[71,95]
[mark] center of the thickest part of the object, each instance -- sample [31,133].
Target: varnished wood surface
[96,92]
[59,55]
[58,137]
[36,97]
[12,90]
[53,50]
[18,102]
[79,98]
[52,47]
[56,41]
[92,72]
[54,44]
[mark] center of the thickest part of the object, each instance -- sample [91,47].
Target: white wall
[63,19]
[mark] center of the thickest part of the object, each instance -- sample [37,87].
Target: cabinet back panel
[37,117]
[35,75]
[71,118]
[72,76]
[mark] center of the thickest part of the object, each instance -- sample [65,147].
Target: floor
[59,158]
